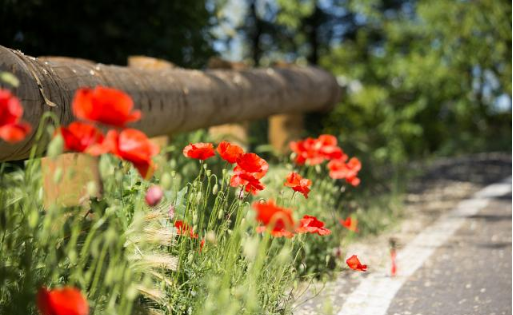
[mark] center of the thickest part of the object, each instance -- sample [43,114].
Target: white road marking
[375,293]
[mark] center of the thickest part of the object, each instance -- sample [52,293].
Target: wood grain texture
[172,100]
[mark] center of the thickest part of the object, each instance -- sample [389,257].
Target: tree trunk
[171,100]
[313,23]
[255,34]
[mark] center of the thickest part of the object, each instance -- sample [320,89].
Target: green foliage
[128,258]
[423,77]
[110,31]
[93,249]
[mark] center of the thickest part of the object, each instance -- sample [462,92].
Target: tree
[425,76]
[109,31]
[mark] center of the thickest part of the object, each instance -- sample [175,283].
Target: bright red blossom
[184,229]
[298,183]
[310,224]
[65,301]
[104,105]
[248,172]
[274,217]
[253,164]
[248,180]
[199,151]
[276,232]
[315,151]
[350,224]
[393,267]
[354,263]
[130,145]
[329,148]
[79,136]
[229,152]
[339,169]
[12,128]
[307,151]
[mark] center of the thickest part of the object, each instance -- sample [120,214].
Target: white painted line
[375,293]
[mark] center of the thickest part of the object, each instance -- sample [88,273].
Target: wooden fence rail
[171,100]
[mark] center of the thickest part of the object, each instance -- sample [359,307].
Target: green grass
[128,259]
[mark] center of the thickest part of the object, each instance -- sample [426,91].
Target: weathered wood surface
[172,100]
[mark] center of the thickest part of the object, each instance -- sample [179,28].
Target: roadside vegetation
[201,228]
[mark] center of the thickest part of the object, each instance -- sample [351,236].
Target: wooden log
[237,132]
[150,63]
[172,100]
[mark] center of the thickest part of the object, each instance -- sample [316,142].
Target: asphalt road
[470,274]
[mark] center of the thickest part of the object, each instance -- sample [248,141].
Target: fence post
[70,179]
[284,128]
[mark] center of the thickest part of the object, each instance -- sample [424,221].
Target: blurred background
[421,78]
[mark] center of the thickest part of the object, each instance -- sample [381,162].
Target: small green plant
[192,235]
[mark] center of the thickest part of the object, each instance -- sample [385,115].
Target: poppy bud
[57,175]
[153,195]
[171,212]
[56,146]
[211,237]
[215,190]
[106,168]
[166,181]
[92,189]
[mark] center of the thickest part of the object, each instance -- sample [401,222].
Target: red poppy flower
[184,229]
[105,105]
[298,183]
[79,136]
[199,151]
[249,181]
[310,224]
[276,232]
[327,140]
[307,151]
[153,196]
[350,224]
[329,148]
[253,164]
[130,145]
[314,151]
[339,169]
[15,132]
[65,301]
[393,268]
[274,217]
[229,152]
[12,129]
[354,263]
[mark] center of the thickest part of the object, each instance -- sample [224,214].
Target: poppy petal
[14,132]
